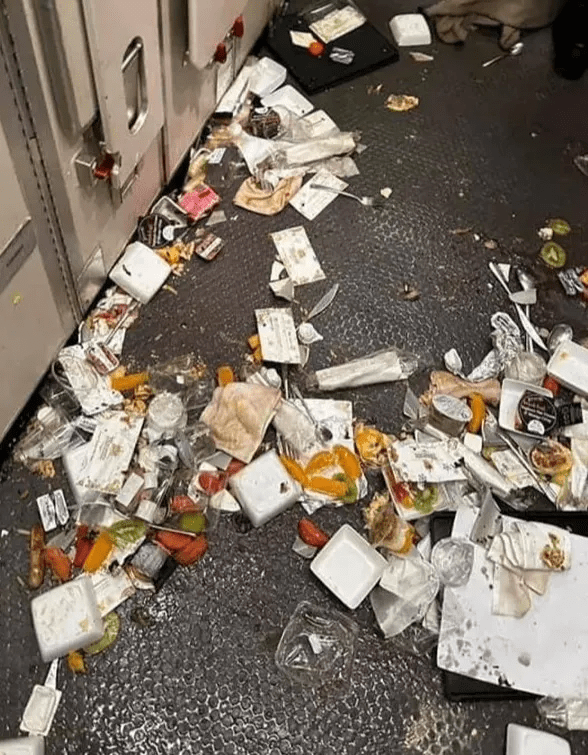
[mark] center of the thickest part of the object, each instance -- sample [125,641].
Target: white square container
[264,488]
[349,566]
[410,30]
[66,618]
[23,746]
[140,272]
[569,366]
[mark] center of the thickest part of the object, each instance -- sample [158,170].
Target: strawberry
[311,534]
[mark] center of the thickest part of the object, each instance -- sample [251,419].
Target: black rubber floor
[487,149]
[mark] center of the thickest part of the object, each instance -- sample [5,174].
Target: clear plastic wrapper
[414,640]
[49,437]
[453,558]
[526,367]
[571,713]
[381,367]
[317,648]
[406,590]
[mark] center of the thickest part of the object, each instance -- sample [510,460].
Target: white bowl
[349,566]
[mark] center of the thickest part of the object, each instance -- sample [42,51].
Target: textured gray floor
[487,149]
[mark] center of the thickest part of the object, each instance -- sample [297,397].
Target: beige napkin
[238,416]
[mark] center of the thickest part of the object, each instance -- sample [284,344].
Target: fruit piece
[76,663]
[257,355]
[295,470]
[320,461]
[182,504]
[225,375]
[425,500]
[316,49]
[126,532]
[172,541]
[195,522]
[559,226]
[111,630]
[334,488]
[478,408]
[192,552]
[552,385]
[402,494]
[551,458]
[101,549]
[36,557]
[553,255]
[311,534]
[59,564]
[128,382]
[351,492]
[212,482]
[348,462]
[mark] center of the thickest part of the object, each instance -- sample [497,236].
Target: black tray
[461,688]
[372,50]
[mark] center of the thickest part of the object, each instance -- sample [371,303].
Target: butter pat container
[66,618]
[410,30]
[349,566]
[264,488]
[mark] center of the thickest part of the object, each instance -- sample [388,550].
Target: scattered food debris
[401,103]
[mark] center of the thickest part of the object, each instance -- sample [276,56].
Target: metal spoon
[528,283]
[515,50]
[559,334]
[365,201]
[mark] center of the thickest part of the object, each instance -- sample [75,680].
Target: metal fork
[365,201]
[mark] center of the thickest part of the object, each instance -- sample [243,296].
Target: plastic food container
[569,366]
[264,488]
[166,415]
[349,566]
[66,618]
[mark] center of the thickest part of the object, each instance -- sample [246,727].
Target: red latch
[103,169]
[239,27]
[220,55]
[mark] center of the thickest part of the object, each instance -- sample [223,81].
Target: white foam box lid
[66,618]
[264,488]
[349,566]
[23,746]
[140,272]
[410,30]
